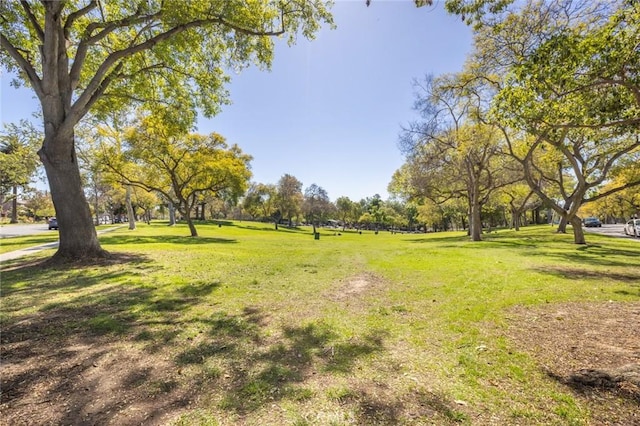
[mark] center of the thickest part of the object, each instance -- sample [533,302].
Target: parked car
[632,228]
[592,222]
[53,223]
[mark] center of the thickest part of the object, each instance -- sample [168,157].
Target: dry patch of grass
[591,348]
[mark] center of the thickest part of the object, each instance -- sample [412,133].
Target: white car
[632,228]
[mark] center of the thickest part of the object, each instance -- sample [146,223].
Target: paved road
[616,230]
[22,229]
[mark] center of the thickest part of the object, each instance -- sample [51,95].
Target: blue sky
[330,110]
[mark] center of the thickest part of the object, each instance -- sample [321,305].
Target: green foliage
[184,168]
[565,78]
[165,56]
[19,144]
[290,196]
[317,206]
[261,201]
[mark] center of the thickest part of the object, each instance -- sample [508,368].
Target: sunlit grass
[325,328]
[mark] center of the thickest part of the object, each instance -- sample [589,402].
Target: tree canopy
[183,167]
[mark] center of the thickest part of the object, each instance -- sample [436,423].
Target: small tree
[290,198]
[18,161]
[317,206]
[261,200]
[39,204]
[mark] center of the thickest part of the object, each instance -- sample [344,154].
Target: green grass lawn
[248,325]
[18,243]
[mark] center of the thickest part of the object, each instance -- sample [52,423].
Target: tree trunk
[192,227]
[172,214]
[562,225]
[578,232]
[78,237]
[130,212]
[95,205]
[475,220]
[14,205]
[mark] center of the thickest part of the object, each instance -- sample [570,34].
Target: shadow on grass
[281,228]
[162,239]
[600,384]
[101,345]
[439,237]
[62,335]
[254,370]
[631,277]
[600,255]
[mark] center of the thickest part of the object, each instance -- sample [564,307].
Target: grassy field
[248,325]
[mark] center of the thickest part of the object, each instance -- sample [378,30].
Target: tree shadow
[439,237]
[257,370]
[599,255]
[121,239]
[631,277]
[67,343]
[602,384]
[98,345]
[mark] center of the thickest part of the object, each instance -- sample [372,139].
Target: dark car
[53,223]
[592,222]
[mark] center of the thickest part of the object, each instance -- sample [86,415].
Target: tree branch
[78,14]
[24,65]
[34,22]
[114,57]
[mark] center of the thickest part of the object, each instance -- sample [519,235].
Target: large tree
[90,56]
[450,152]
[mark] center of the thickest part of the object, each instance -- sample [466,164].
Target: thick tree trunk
[78,237]
[578,232]
[515,220]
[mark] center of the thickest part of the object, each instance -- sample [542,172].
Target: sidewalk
[30,250]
